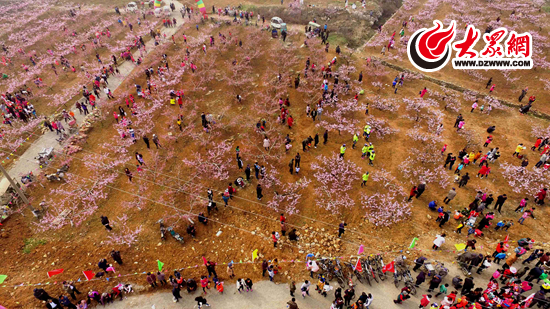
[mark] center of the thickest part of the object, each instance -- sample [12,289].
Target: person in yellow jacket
[366,132]
[519,148]
[365,179]
[371,157]
[364,151]
[342,150]
[355,140]
[471,156]
[370,148]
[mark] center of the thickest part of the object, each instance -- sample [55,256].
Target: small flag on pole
[254,255]
[3,278]
[88,274]
[413,243]
[460,247]
[358,266]
[160,264]
[361,250]
[54,272]
[389,267]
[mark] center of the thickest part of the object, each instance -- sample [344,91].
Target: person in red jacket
[484,171]
[412,194]
[274,238]
[500,248]
[231,190]
[290,121]
[537,144]
[425,301]
[539,199]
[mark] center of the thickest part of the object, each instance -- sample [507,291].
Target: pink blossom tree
[123,234]
[524,180]
[212,165]
[384,209]
[336,177]
[289,197]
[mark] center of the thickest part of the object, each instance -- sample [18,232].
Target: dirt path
[26,162]
[277,295]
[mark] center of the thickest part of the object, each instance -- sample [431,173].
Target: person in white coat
[240,285]
[439,241]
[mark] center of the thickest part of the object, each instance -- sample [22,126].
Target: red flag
[204,260]
[358,266]
[54,272]
[389,267]
[506,239]
[88,274]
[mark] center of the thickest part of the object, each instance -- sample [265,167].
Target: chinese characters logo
[429,50]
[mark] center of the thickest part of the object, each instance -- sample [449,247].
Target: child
[460,227]
[219,286]
[442,290]
[240,285]
[500,224]
[459,168]
[525,215]
[271,273]
[508,225]
[297,169]
[499,257]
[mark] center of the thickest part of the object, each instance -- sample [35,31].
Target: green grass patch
[546,8]
[249,8]
[31,244]
[335,39]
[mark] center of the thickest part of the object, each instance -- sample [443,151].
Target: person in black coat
[116,256]
[247,172]
[259,192]
[420,278]
[420,189]
[52,303]
[40,294]
[64,300]
[176,293]
[534,273]
[500,201]
[105,222]
[445,219]
[434,283]
[464,180]
[468,285]
[103,264]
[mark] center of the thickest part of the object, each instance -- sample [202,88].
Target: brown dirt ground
[79,248]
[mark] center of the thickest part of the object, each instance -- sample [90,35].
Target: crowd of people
[509,287]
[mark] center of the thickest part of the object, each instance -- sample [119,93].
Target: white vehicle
[277,23]
[158,12]
[166,10]
[131,7]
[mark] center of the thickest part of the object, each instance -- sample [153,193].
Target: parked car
[131,7]
[277,23]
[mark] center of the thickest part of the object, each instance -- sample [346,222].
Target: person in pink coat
[423,92]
